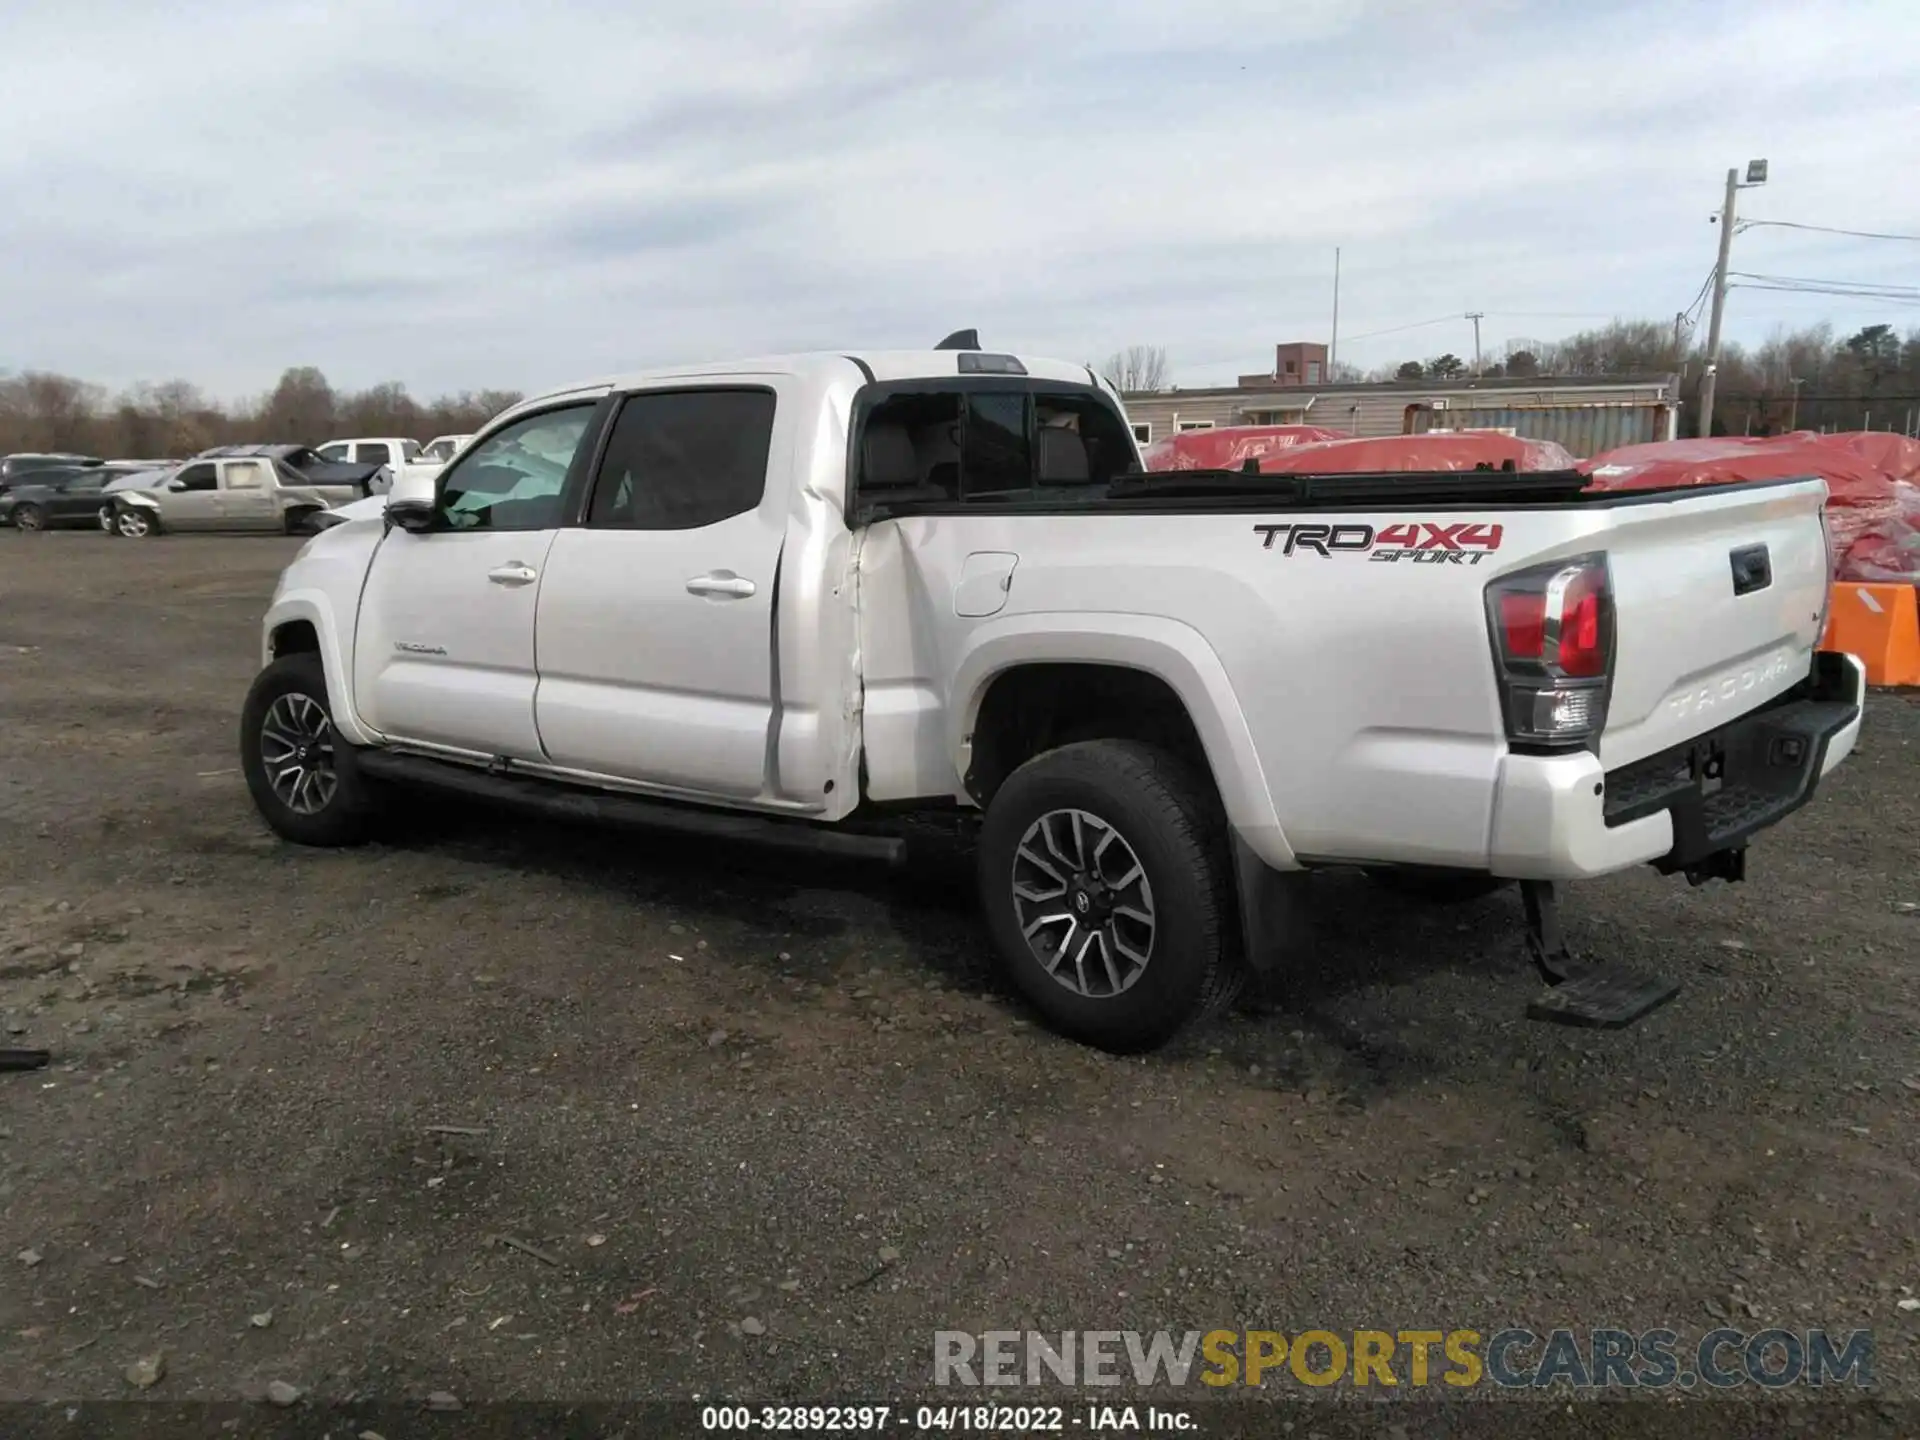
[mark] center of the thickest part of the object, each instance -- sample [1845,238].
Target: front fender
[1175,653]
[315,607]
[136,499]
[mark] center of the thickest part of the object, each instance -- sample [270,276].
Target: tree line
[1806,379]
[47,412]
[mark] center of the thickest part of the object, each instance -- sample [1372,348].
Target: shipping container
[1584,429]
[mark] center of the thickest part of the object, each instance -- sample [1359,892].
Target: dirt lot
[758,1126]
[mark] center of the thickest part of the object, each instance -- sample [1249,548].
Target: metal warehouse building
[1587,416]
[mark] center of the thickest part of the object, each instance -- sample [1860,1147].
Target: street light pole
[1756,175]
[1333,347]
[1476,316]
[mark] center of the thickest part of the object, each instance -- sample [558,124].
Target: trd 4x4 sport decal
[1423,542]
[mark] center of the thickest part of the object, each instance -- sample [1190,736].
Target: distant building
[1300,363]
[1584,414]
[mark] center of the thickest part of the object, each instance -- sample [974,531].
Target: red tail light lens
[1523,623]
[1583,653]
[1552,632]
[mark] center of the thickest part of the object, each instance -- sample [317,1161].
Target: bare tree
[1137,369]
[301,409]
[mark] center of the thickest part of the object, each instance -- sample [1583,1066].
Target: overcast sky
[461,195]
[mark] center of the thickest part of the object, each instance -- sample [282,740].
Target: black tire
[299,522]
[345,816]
[1171,819]
[106,522]
[29,516]
[1439,887]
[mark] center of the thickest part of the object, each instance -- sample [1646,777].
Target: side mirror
[416,517]
[176,486]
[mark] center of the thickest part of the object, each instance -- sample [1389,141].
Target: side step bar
[599,807]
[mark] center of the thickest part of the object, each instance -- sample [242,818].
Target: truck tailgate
[1692,651]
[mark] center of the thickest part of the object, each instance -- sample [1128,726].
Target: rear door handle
[513,573]
[722,583]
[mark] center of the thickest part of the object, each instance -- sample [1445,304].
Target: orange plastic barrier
[1880,624]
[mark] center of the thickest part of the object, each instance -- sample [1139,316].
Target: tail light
[1553,633]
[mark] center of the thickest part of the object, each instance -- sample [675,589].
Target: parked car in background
[13,468]
[244,492]
[53,499]
[443,448]
[315,467]
[404,458]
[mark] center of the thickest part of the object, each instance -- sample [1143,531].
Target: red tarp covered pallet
[1873,485]
[1230,446]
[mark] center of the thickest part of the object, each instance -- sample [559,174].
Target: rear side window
[374,453]
[683,459]
[245,474]
[988,446]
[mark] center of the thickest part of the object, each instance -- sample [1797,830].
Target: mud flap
[1273,909]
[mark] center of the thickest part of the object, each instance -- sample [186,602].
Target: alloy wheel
[296,751]
[1083,903]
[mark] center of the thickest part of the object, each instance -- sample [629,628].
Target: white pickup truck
[794,598]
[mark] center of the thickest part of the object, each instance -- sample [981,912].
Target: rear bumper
[1566,817]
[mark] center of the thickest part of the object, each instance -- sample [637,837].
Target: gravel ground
[734,1124]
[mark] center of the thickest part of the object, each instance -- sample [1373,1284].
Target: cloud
[521,194]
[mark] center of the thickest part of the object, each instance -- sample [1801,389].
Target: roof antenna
[960,340]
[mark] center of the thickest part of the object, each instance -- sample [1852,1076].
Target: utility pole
[1333,349]
[1679,324]
[1756,175]
[1793,413]
[1476,316]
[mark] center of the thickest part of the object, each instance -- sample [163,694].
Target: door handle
[513,573]
[721,582]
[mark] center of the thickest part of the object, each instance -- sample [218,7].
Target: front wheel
[1103,870]
[300,773]
[135,524]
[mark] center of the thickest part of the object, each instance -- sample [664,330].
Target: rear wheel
[135,523]
[1103,871]
[1439,887]
[301,775]
[30,517]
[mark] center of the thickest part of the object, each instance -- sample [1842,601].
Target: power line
[1869,289]
[1398,329]
[1878,297]
[1823,229]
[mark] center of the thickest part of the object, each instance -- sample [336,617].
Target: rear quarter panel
[1363,678]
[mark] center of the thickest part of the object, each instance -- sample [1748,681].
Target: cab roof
[880,365]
